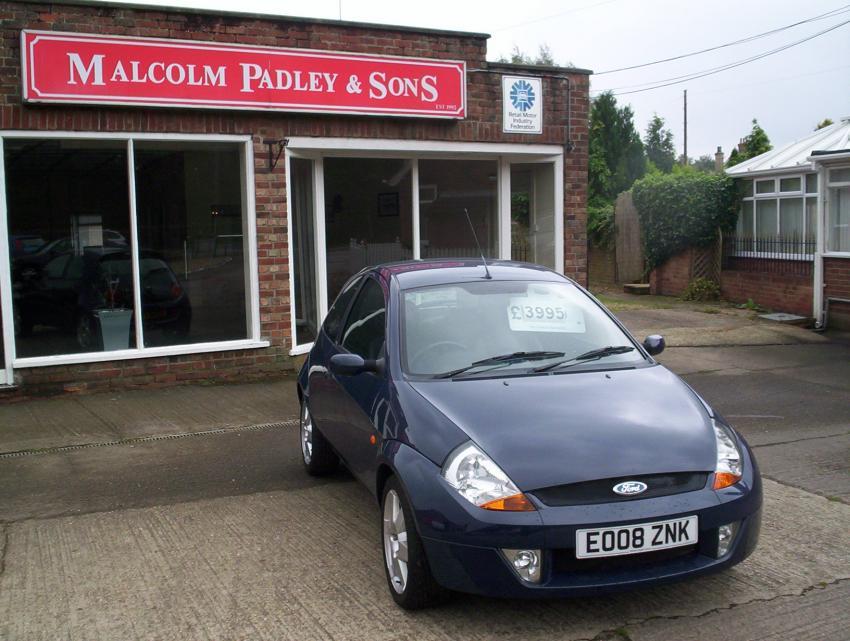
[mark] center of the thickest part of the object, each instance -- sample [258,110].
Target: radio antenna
[477,244]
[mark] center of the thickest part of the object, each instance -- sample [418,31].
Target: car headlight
[730,465]
[481,482]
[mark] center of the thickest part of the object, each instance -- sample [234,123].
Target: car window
[451,326]
[364,331]
[336,314]
[75,268]
[56,267]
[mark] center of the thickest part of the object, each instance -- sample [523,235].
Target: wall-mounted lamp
[276,148]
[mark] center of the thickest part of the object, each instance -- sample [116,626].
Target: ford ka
[518,440]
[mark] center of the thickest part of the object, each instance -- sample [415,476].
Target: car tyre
[316,453]
[409,577]
[88,333]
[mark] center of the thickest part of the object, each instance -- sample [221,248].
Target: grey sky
[788,92]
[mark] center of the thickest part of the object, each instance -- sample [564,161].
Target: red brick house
[183,192]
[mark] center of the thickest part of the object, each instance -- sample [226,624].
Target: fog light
[725,537]
[526,563]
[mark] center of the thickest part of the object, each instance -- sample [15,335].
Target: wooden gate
[630,259]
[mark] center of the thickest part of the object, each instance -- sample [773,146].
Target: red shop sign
[115,70]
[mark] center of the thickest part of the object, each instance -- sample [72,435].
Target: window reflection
[69,224]
[368,215]
[446,188]
[190,219]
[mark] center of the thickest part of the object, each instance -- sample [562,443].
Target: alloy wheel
[395,541]
[306,435]
[85,333]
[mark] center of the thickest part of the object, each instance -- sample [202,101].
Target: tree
[704,163]
[616,151]
[754,144]
[826,122]
[659,144]
[519,57]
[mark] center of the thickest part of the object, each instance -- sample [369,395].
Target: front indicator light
[526,564]
[724,479]
[516,503]
[725,537]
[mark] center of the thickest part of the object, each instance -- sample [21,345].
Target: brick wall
[836,280]
[671,278]
[778,292]
[483,124]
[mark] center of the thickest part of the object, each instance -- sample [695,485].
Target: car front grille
[601,491]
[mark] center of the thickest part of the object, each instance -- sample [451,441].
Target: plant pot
[114,327]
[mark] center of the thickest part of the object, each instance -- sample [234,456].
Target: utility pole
[685,158]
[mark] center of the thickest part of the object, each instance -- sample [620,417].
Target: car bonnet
[571,427]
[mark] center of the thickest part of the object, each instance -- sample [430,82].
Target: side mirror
[654,344]
[353,364]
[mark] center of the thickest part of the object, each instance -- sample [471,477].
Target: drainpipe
[820,232]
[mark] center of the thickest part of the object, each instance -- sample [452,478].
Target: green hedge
[600,225]
[682,210]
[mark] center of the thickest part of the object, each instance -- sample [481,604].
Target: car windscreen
[450,327]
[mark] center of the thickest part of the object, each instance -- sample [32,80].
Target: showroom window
[83,285]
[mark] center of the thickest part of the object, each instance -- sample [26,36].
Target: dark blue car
[519,440]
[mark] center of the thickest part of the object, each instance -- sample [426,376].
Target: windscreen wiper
[587,356]
[502,360]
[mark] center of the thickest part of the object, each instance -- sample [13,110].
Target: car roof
[423,273]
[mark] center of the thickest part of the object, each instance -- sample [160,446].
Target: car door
[323,390]
[360,396]
[44,302]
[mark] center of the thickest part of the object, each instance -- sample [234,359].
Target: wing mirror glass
[353,364]
[654,344]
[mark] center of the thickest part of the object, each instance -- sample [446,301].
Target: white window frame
[826,215]
[505,154]
[249,222]
[778,196]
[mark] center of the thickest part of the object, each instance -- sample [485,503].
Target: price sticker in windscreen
[544,314]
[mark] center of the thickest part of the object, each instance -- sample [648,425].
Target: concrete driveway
[184,514]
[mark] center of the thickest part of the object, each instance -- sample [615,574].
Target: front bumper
[463,542]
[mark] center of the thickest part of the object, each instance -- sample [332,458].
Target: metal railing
[774,255]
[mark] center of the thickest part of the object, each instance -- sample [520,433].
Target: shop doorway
[368,215]
[351,208]
[533,213]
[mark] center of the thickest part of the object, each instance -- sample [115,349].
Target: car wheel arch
[383,474]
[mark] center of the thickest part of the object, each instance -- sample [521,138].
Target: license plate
[633,539]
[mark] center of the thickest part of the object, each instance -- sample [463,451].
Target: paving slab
[769,407]
[815,614]
[816,464]
[694,324]
[305,564]
[108,416]
[153,472]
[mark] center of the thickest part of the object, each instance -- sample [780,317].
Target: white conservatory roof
[796,155]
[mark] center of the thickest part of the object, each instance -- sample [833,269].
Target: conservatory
[795,217]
